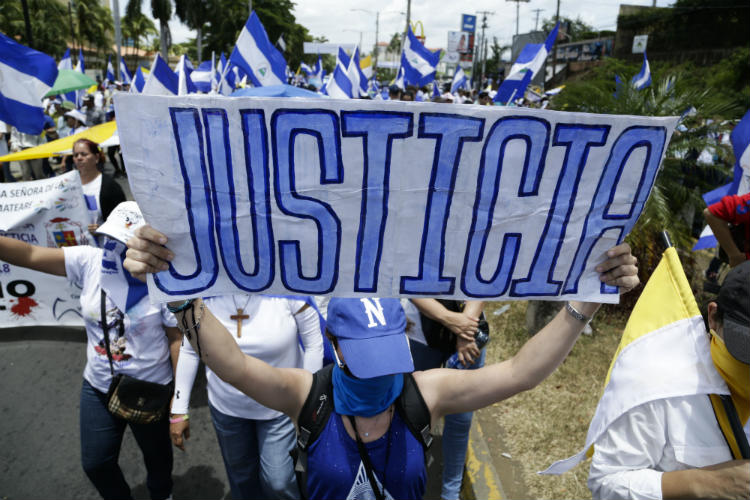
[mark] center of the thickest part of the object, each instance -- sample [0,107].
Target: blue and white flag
[418,62]
[161,79]
[110,76]
[203,76]
[226,81]
[183,71]
[339,86]
[459,80]
[316,77]
[307,69]
[257,56]
[740,138]
[356,77]
[80,67]
[125,76]
[529,62]
[26,75]
[399,80]
[67,63]
[643,78]
[342,59]
[435,89]
[138,82]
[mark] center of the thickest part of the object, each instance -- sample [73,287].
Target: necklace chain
[234,301]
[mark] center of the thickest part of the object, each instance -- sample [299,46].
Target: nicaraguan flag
[643,78]
[307,69]
[399,81]
[257,56]
[664,353]
[139,81]
[161,79]
[80,67]
[226,83]
[67,63]
[528,63]
[435,89]
[110,76]
[26,75]
[418,62]
[183,71]
[342,59]
[339,86]
[740,138]
[202,77]
[356,77]
[459,80]
[125,76]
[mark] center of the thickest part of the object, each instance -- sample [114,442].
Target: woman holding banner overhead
[367,444]
[255,441]
[141,342]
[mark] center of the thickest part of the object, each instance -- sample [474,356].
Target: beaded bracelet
[181,307]
[178,419]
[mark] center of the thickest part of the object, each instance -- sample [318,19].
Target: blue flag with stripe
[161,79]
[125,76]
[26,75]
[257,57]
[643,78]
[418,63]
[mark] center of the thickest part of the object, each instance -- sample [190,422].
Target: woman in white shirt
[144,342]
[255,441]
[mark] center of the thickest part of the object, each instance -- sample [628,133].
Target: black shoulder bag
[137,401]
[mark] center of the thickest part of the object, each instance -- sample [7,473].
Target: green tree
[49,24]
[193,14]
[137,27]
[95,25]
[675,203]
[161,10]
[574,29]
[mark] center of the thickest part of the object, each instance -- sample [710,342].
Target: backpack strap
[414,412]
[311,421]
[730,425]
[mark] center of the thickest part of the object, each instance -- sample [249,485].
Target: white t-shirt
[272,333]
[143,351]
[91,195]
[656,437]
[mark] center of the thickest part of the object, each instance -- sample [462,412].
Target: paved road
[40,383]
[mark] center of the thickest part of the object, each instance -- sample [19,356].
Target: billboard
[468,23]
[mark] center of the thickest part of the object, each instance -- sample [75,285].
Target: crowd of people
[267,368]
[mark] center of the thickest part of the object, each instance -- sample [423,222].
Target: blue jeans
[456,427]
[256,456]
[101,438]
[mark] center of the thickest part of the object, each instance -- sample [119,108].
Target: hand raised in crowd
[147,253]
[620,269]
[179,432]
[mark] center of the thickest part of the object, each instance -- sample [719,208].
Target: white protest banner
[50,213]
[358,198]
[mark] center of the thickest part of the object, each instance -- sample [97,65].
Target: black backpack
[319,404]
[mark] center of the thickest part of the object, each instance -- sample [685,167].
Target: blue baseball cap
[371,335]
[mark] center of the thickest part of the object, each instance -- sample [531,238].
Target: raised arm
[720,228]
[448,391]
[282,389]
[42,259]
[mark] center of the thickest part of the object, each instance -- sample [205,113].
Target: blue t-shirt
[335,469]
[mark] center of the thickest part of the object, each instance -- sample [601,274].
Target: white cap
[74,113]
[122,222]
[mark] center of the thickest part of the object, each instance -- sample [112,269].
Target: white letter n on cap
[374,311]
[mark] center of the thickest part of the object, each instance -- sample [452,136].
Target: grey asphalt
[40,383]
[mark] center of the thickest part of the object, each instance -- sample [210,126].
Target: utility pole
[118,36]
[518,4]
[536,21]
[484,14]
[375,54]
[554,44]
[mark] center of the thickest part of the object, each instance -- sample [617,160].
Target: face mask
[364,397]
[735,373]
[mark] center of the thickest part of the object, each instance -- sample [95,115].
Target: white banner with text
[389,199]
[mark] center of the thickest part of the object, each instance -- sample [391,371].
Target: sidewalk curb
[481,481]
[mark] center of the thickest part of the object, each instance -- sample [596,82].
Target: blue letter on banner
[222,177]
[577,139]
[450,132]
[378,130]
[651,138]
[188,135]
[323,125]
[535,133]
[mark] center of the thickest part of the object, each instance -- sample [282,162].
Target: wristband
[576,314]
[181,307]
[178,419]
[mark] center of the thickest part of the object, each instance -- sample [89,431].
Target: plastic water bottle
[480,338]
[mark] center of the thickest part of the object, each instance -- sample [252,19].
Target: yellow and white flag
[365,64]
[664,352]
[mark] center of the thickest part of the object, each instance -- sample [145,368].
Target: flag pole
[118,36]
[666,239]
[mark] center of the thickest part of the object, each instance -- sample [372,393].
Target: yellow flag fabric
[365,65]
[664,352]
[98,134]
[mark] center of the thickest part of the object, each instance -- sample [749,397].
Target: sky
[342,22]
